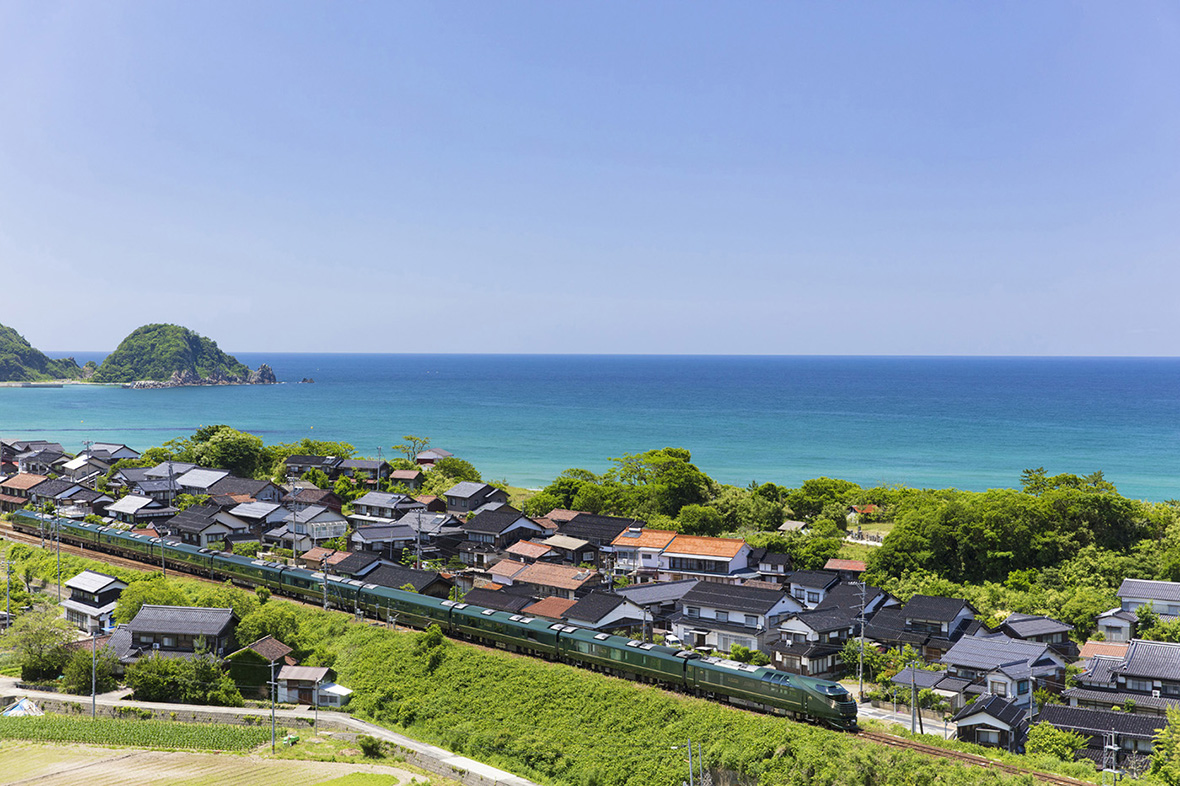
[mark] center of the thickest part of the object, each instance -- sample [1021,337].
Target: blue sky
[768,178]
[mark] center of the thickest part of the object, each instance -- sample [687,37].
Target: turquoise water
[972,423]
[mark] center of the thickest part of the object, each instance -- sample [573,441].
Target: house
[599,530]
[930,624]
[85,468]
[308,527]
[42,458]
[127,477]
[312,685]
[1110,649]
[433,504]
[257,490]
[357,565]
[380,507]
[298,466]
[259,516]
[253,666]
[182,630]
[1035,627]
[809,587]
[605,611]
[1146,678]
[851,594]
[53,491]
[111,452]
[545,579]
[92,600]
[1006,667]
[1132,734]
[389,541]
[306,497]
[993,721]
[812,640]
[505,599]
[571,550]
[505,571]
[530,551]
[199,481]
[1162,596]
[424,582]
[720,560]
[957,691]
[637,552]
[367,470]
[552,607]
[160,489]
[847,569]
[16,491]
[84,502]
[657,599]
[720,615]
[411,479]
[500,528]
[317,557]
[168,469]
[201,525]
[772,568]
[137,510]
[465,496]
[431,456]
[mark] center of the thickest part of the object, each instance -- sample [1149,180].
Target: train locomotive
[753,687]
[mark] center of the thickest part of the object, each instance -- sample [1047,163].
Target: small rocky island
[169,356]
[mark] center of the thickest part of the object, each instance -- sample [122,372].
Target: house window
[813,597]
[987,737]
[722,616]
[1022,688]
[168,641]
[693,611]
[998,688]
[1144,686]
[798,593]
[751,621]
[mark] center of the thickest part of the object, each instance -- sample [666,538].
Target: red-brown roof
[699,545]
[405,474]
[528,549]
[846,564]
[23,482]
[270,648]
[1108,648]
[560,576]
[554,607]
[507,568]
[561,516]
[645,538]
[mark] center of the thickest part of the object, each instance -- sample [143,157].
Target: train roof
[585,634]
[523,620]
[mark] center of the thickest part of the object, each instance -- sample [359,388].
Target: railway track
[968,758]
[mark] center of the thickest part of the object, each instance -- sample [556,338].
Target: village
[992,685]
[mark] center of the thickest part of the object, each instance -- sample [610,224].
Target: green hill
[170,353]
[20,362]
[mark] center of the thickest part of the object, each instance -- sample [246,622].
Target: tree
[700,520]
[271,619]
[1165,754]
[540,504]
[1050,740]
[157,591]
[746,655]
[38,640]
[318,478]
[411,446]
[195,680]
[457,469]
[78,670]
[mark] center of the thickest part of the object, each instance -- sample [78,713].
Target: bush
[78,671]
[370,746]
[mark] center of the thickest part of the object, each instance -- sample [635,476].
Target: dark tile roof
[194,519]
[1029,625]
[932,608]
[1151,659]
[1167,591]
[985,654]
[270,648]
[657,591]
[1090,722]
[160,486]
[132,474]
[1001,709]
[498,599]
[493,522]
[816,579]
[922,678]
[594,606]
[313,461]
[846,595]
[771,558]
[597,529]
[52,488]
[732,597]
[827,620]
[888,626]
[355,563]
[397,576]
[1101,671]
[363,464]
[1109,698]
[191,620]
[233,485]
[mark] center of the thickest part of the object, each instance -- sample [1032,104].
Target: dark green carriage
[405,608]
[617,653]
[504,629]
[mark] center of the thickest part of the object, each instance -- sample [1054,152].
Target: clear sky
[770,178]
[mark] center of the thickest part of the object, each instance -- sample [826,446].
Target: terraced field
[50,765]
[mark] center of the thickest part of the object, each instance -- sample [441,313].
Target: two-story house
[812,640]
[92,600]
[307,527]
[256,490]
[1006,667]
[715,560]
[928,623]
[721,615]
[466,496]
[546,579]
[1147,676]
[199,481]
[810,587]
[298,466]
[16,491]
[1039,628]
[182,630]
[140,511]
[500,528]
[637,552]
[1163,597]
[380,507]
[574,551]
[201,525]
[369,471]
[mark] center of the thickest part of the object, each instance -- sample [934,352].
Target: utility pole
[861,659]
[324,570]
[316,702]
[93,672]
[7,593]
[57,531]
[274,687]
[913,703]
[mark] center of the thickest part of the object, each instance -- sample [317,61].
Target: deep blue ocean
[970,423]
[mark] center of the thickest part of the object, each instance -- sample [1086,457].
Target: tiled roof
[597,529]
[847,595]
[846,564]
[194,519]
[931,608]
[405,474]
[1100,671]
[202,478]
[978,652]
[528,549]
[23,482]
[1001,709]
[772,558]
[826,620]
[820,579]
[701,546]
[594,606]
[1126,724]
[1028,625]
[93,581]
[1108,698]
[317,553]
[192,620]
[1152,659]
[657,591]
[255,510]
[644,538]
[304,673]
[498,599]
[270,648]
[493,522]
[381,499]
[552,607]
[466,489]
[732,598]
[888,626]
[397,576]
[1168,591]
[507,568]
[561,515]
[919,678]
[559,576]
[566,543]
[1108,648]
[233,485]
[356,563]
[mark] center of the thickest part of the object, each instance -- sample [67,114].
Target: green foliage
[155,592]
[1044,738]
[195,680]
[370,746]
[411,446]
[271,619]
[77,671]
[156,351]
[38,640]
[1165,754]
[224,447]
[746,655]
[700,520]
[20,362]
[808,501]
[135,733]
[540,504]
[186,501]
[318,478]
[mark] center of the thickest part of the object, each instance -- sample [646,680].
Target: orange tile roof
[561,515]
[845,564]
[23,481]
[317,553]
[701,546]
[554,607]
[645,538]
[1108,648]
[507,568]
[560,576]
[528,549]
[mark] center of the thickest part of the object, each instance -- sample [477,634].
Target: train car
[623,656]
[189,558]
[247,571]
[407,608]
[761,688]
[515,632]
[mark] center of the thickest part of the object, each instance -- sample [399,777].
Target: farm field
[54,765]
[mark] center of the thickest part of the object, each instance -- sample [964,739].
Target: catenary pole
[93,673]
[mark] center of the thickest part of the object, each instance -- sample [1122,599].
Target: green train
[753,687]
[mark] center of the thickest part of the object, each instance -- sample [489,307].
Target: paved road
[902,718]
[496,776]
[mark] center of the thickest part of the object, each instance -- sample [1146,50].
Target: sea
[966,422]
